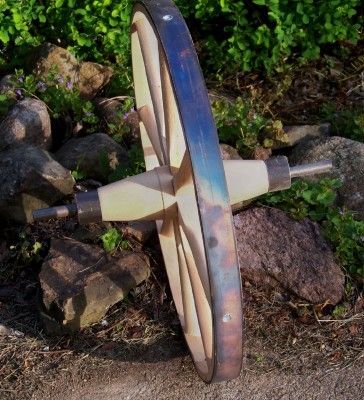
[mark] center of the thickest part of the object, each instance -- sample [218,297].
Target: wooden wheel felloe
[196,235]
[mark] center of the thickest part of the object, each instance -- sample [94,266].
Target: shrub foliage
[254,34]
[93,29]
[246,34]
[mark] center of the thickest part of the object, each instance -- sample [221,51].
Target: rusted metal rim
[210,187]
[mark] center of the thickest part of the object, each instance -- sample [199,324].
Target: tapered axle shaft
[150,196]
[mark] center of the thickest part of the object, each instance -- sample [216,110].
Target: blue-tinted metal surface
[212,194]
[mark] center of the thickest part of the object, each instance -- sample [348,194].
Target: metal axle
[319,167]
[55,212]
[148,195]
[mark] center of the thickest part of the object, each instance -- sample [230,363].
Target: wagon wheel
[196,237]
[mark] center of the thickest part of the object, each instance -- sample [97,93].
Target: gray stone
[262,153]
[7,84]
[30,179]
[92,78]
[50,58]
[229,152]
[298,133]
[348,160]
[277,251]
[5,331]
[142,231]
[27,122]
[111,111]
[81,282]
[86,154]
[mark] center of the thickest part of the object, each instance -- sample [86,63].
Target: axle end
[319,167]
[87,209]
[55,212]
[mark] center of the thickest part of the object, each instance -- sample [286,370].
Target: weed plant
[348,122]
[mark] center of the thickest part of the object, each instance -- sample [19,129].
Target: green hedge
[256,34]
[92,29]
[245,34]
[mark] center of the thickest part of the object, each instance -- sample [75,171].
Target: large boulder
[297,133]
[90,153]
[277,251]
[51,58]
[27,122]
[88,77]
[80,282]
[30,179]
[92,78]
[348,160]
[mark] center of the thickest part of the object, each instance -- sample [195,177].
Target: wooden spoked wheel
[196,236]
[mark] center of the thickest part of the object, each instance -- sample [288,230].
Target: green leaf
[111,239]
[305,19]
[260,2]
[59,3]
[113,22]
[4,37]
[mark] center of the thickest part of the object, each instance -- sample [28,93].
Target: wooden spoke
[145,105]
[196,271]
[150,50]
[189,219]
[149,128]
[190,300]
[176,145]
[166,231]
[191,325]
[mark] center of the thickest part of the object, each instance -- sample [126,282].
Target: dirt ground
[292,351]
[176,379]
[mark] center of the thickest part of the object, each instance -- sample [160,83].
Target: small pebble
[5,331]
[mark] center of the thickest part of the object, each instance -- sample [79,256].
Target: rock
[51,58]
[81,282]
[5,331]
[296,134]
[111,110]
[348,160]
[277,251]
[90,232]
[142,231]
[30,179]
[261,153]
[86,154]
[229,152]
[27,122]
[7,84]
[92,78]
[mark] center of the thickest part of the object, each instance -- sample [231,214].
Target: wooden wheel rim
[198,244]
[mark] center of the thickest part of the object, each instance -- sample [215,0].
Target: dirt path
[176,379]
